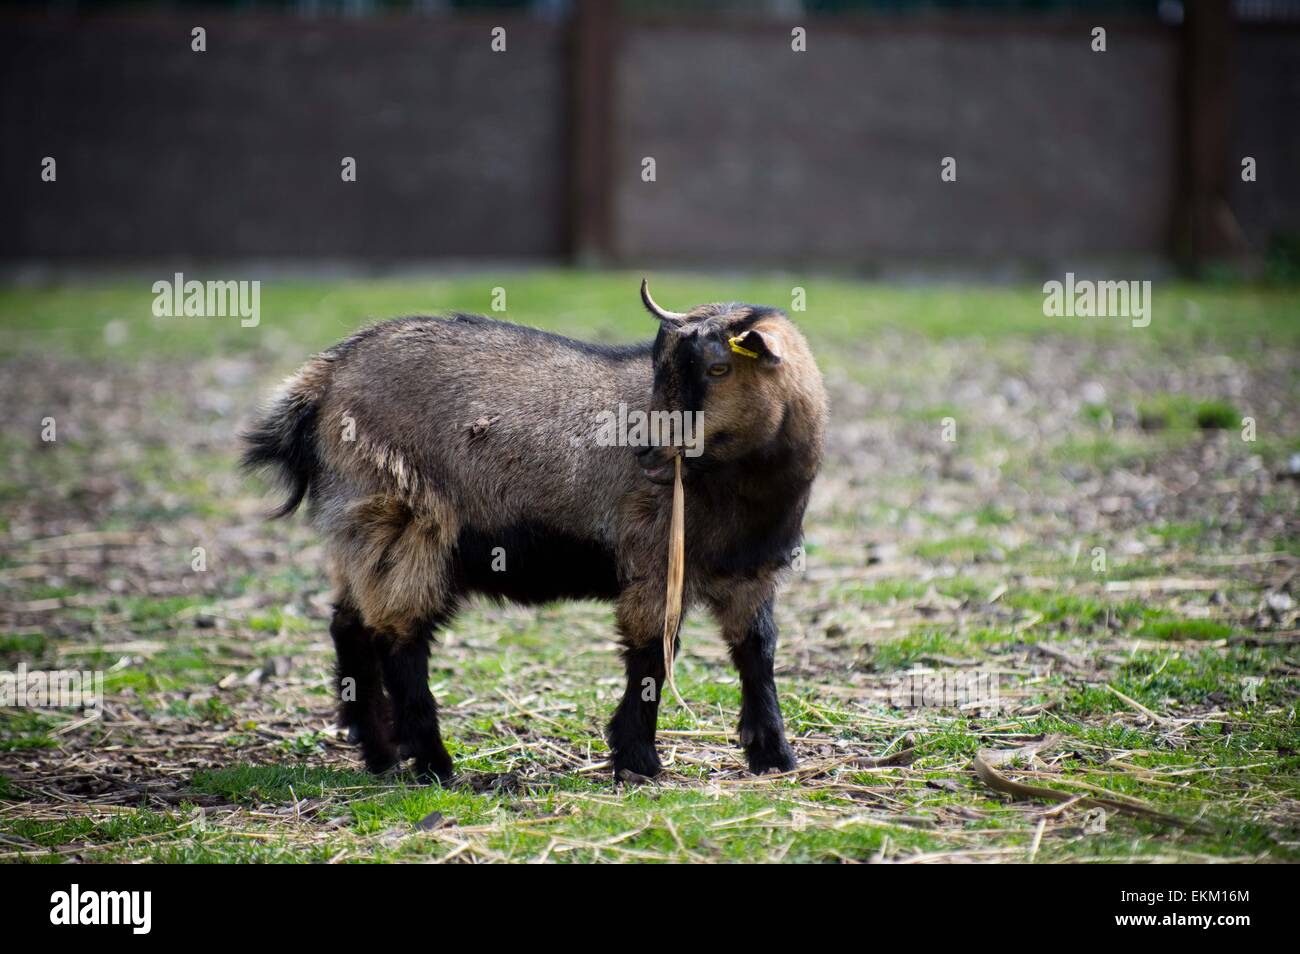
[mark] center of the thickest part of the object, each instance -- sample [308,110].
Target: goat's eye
[718,370]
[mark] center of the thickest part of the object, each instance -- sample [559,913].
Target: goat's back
[499,419]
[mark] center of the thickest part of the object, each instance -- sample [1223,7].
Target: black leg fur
[761,730]
[363,708]
[415,713]
[632,729]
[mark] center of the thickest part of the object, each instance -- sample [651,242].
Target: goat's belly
[531,562]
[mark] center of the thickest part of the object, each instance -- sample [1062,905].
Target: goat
[458,455]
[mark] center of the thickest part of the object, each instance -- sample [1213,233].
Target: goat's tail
[283,437]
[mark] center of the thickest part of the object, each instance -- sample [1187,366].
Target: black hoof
[435,767]
[377,763]
[628,777]
[640,760]
[770,755]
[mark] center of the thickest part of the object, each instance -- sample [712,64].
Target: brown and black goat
[448,456]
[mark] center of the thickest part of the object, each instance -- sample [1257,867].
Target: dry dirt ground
[1034,559]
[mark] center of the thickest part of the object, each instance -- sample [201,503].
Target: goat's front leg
[631,731]
[751,633]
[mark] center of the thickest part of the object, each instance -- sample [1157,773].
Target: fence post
[594,34]
[1207,229]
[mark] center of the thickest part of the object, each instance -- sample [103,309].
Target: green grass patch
[26,645]
[306,315]
[1079,612]
[1179,629]
[1182,411]
[24,729]
[115,828]
[1173,680]
[957,549]
[259,784]
[407,805]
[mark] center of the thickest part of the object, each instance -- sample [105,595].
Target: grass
[1158,678]
[310,315]
[1181,411]
[1178,629]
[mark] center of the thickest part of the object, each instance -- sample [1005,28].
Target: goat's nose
[656,463]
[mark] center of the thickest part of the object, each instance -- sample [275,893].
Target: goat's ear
[762,345]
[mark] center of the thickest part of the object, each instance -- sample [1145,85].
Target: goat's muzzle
[656,463]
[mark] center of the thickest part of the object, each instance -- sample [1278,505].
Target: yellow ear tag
[735,346]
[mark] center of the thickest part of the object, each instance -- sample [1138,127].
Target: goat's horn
[676,317]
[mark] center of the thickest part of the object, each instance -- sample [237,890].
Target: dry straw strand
[676,576]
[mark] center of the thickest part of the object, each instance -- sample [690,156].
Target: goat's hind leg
[363,708]
[415,712]
[393,560]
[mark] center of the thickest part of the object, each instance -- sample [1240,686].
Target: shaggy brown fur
[450,456]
